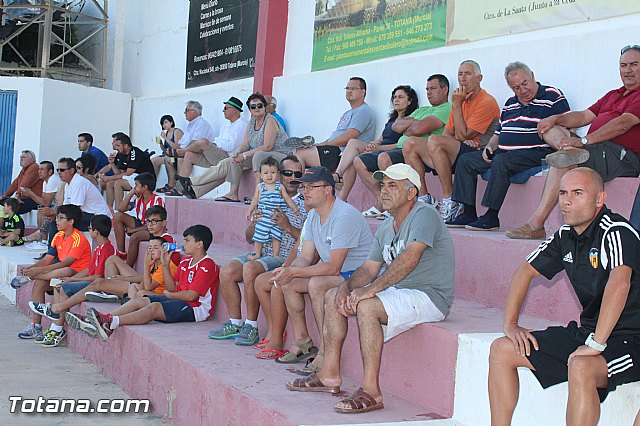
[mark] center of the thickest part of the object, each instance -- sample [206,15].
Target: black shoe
[187,189]
[41,256]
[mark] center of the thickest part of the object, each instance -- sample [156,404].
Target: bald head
[581,197]
[589,175]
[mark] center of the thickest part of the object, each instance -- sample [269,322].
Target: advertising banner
[474,20]
[221,41]
[354,31]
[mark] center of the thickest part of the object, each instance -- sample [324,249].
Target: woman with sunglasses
[264,138]
[404,101]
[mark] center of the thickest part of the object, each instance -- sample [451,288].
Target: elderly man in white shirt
[206,153]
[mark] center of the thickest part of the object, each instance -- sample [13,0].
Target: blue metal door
[8,106]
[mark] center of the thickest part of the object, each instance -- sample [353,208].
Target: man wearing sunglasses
[204,152]
[611,146]
[241,269]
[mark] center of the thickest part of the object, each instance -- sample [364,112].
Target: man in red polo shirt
[611,146]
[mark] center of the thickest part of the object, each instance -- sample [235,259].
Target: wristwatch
[584,140]
[591,342]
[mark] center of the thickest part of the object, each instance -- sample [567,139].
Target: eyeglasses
[152,221]
[62,170]
[352,88]
[289,173]
[187,110]
[60,217]
[254,106]
[309,187]
[629,47]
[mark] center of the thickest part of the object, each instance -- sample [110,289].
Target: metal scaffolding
[57,39]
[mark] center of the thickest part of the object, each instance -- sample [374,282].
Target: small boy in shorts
[12,229]
[189,296]
[99,229]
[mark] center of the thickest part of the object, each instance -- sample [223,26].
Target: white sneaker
[38,246]
[371,212]
[451,210]
[429,199]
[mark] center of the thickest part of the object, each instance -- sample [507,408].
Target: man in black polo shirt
[130,162]
[600,251]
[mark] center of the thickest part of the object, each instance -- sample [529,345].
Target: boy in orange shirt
[73,251]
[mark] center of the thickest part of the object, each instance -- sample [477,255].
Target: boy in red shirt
[72,250]
[189,297]
[99,229]
[139,199]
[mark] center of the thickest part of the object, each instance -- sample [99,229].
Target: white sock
[253,324]
[235,321]
[56,328]
[446,200]
[115,322]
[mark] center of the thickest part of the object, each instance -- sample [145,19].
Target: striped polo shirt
[518,122]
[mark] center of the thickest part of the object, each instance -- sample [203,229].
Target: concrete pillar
[272,34]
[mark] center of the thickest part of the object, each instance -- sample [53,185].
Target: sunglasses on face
[289,173]
[62,170]
[254,106]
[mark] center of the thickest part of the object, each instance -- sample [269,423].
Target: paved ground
[30,371]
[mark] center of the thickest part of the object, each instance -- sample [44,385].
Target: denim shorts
[72,288]
[269,263]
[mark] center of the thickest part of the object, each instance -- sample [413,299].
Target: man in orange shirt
[73,252]
[473,119]
[27,179]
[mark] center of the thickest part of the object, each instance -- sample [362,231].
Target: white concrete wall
[580,59]
[51,113]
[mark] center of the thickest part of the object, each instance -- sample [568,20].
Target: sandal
[164,189]
[359,402]
[372,212]
[338,182]
[311,383]
[264,342]
[306,350]
[270,353]
[173,193]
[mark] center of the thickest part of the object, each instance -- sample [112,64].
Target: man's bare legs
[121,222]
[308,157]
[119,188]
[294,300]
[368,180]
[230,276]
[345,169]
[110,193]
[586,374]
[443,151]
[416,154]
[274,308]
[318,287]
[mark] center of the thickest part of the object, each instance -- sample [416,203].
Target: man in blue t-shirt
[356,123]
[85,145]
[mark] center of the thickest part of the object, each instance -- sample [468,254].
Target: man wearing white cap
[417,287]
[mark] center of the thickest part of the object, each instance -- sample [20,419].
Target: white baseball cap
[399,171]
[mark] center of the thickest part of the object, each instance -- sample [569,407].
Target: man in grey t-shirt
[356,123]
[416,287]
[336,234]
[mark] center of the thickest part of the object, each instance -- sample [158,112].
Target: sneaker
[248,336]
[228,330]
[566,157]
[43,337]
[101,322]
[484,224]
[383,216]
[31,332]
[451,210]
[37,246]
[80,323]
[461,221]
[54,339]
[429,199]
[44,309]
[101,297]
[19,281]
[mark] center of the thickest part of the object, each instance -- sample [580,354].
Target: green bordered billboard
[353,31]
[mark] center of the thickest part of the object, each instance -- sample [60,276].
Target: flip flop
[372,212]
[270,353]
[311,383]
[359,402]
[306,350]
[226,199]
[247,200]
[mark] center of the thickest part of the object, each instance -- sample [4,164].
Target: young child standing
[12,229]
[269,196]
